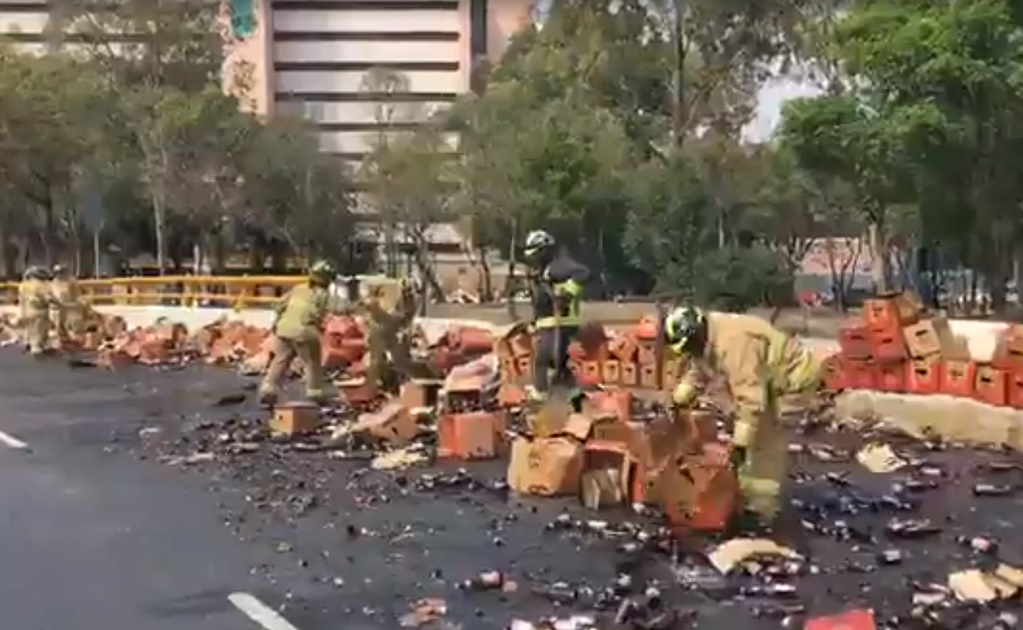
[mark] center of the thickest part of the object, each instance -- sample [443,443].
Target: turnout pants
[552,354]
[284,352]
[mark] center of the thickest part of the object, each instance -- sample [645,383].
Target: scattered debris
[880,458]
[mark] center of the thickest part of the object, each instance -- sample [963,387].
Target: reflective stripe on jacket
[557,296]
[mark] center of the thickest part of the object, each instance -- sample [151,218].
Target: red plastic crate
[1015,388]
[887,344]
[881,313]
[618,452]
[854,340]
[891,377]
[849,620]
[859,374]
[991,386]
[923,376]
[958,378]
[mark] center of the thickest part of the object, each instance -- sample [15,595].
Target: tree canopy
[618,125]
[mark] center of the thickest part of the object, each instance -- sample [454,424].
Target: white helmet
[536,241]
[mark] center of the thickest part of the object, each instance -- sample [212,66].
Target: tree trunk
[486,277]
[430,280]
[160,230]
[6,252]
[879,268]
[509,279]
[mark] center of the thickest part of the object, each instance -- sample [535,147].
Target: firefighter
[556,289]
[68,310]
[390,308]
[35,299]
[296,333]
[760,364]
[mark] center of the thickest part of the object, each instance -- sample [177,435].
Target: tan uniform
[35,299]
[300,316]
[760,364]
[389,310]
[68,309]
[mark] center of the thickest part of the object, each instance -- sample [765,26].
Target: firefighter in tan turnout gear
[296,333]
[35,299]
[760,364]
[389,310]
[68,310]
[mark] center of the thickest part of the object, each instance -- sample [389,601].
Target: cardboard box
[295,418]
[611,373]
[623,348]
[629,375]
[420,393]
[614,463]
[511,395]
[591,373]
[648,375]
[930,337]
[545,466]
[602,487]
[579,426]
[697,495]
[393,423]
[550,419]
[357,391]
[473,435]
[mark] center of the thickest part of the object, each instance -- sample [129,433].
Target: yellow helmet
[322,271]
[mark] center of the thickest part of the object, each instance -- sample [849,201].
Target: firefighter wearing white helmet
[760,364]
[556,290]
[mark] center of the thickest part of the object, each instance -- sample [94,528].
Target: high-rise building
[354,67]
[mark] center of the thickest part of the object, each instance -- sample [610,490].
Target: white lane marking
[12,441]
[259,612]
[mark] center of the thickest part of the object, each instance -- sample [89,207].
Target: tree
[294,194]
[52,120]
[932,124]
[670,222]
[405,178]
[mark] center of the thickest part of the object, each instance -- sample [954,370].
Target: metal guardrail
[209,291]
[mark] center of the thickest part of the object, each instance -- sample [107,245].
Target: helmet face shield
[684,329]
[539,244]
[322,271]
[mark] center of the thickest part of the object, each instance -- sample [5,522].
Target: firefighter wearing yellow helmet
[296,334]
[760,364]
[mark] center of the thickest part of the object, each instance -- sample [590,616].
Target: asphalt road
[100,530]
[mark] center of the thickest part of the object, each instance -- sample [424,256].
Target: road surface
[102,528]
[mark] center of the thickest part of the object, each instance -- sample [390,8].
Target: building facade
[354,67]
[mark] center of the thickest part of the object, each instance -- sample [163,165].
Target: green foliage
[144,126]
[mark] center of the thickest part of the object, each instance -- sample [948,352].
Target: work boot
[268,399]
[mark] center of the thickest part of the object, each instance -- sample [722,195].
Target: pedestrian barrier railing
[191,291]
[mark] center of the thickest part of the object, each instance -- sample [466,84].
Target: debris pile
[896,347]
[233,342]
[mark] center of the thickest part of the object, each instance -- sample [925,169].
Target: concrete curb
[956,419]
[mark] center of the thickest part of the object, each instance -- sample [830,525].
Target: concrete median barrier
[956,419]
